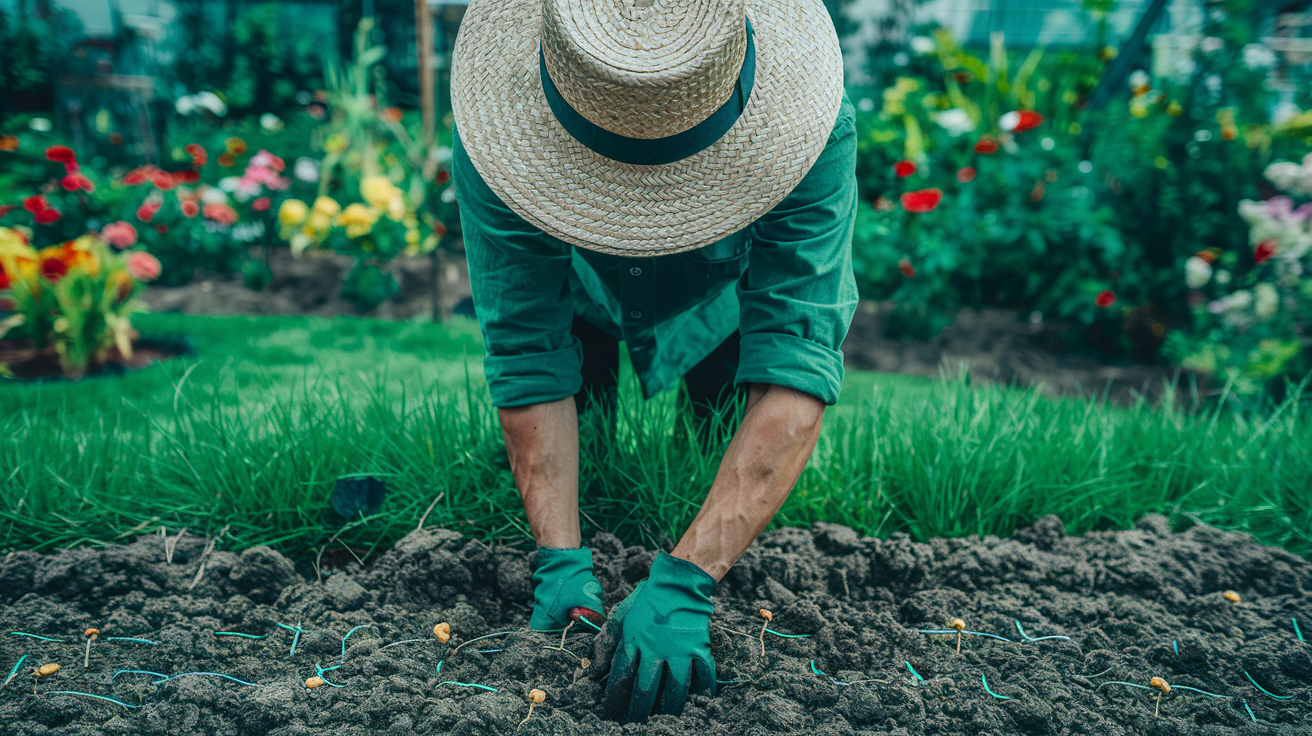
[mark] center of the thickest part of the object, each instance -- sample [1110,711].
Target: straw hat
[641,81]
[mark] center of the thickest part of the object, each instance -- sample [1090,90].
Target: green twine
[438,671]
[163,677]
[788,636]
[215,674]
[35,636]
[1297,631]
[14,671]
[831,677]
[913,671]
[134,640]
[1268,692]
[1250,710]
[1176,647]
[238,633]
[1029,638]
[89,695]
[985,680]
[469,684]
[295,639]
[319,674]
[348,636]
[1200,692]
[585,620]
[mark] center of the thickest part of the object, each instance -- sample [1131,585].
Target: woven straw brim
[583,198]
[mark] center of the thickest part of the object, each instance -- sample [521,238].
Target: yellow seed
[585,663]
[958,624]
[314,682]
[91,633]
[536,696]
[1158,683]
[443,632]
[767,615]
[1231,596]
[47,670]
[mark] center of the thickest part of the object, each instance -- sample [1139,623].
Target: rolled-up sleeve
[519,277]
[798,295]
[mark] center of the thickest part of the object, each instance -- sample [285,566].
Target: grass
[251,432]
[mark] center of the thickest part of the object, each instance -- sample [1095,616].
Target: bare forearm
[778,433]
[542,441]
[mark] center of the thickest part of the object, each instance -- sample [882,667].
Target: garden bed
[1135,604]
[29,364]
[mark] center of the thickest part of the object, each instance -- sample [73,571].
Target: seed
[91,633]
[1158,683]
[47,670]
[958,624]
[536,696]
[1231,596]
[443,632]
[767,615]
[585,663]
[314,682]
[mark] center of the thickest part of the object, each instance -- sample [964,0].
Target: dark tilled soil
[1122,598]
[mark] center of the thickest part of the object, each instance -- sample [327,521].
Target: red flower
[53,269]
[75,181]
[4,279]
[1105,299]
[1019,121]
[72,168]
[198,154]
[986,145]
[36,203]
[62,154]
[137,176]
[925,200]
[5,209]
[262,204]
[47,216]
[966,175]
[143,266]
[161,229]
[443,177]
[904,265]
[220,213]
[186,176]
[904,168]
[190,208]
[162,179]
[1265,250]
[148,209]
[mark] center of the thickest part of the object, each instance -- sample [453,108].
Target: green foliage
[397,401]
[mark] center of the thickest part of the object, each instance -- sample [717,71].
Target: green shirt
[793,292]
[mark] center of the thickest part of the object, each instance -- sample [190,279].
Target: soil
[1122,597]
[1008,347]
[29,364]
[312,285]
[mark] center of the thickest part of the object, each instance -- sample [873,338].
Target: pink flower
[267,160]
[966,174]
[142,266]
[119,234]
[190,208]
[220,213]
[262,204]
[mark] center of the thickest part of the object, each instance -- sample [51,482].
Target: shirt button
[635,271]
[635,314]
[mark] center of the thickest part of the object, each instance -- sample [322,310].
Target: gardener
[679,175]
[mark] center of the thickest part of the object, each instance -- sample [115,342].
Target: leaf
[13,321]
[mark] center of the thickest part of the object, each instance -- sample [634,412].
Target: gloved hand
[660,637]
[563,583]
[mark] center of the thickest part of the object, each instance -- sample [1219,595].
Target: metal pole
[424,47]
[1130,50]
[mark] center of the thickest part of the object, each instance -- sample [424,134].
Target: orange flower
[235,146]
[226,159]
[8,143]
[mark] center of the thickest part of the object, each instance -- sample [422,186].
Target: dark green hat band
[655,151]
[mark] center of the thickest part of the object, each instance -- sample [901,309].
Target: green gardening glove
[564,588]
[661,638]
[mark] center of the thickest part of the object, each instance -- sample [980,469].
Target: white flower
[214,195]
[901,58]
[188,104]
[1086,167]
[185,105]
[1009,121]
[449,195]
[1202,136]
[270,122]
[865,104]
[923,45]
[1240,299]
[1197,272]
[1292,177]
[40,125]
[1139,79]
[306,169]
[956,122]
[229,184]
[1223,277]
[1257,56]
[1288,272]
[1048,144]
[1211,43]
[1284,112]
[1213,84]
[1265,301]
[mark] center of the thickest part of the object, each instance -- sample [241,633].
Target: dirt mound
[1135,604]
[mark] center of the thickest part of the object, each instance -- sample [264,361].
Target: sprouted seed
[768,618]
[535,696]
[443,632]
[313,682]
[45,670]
[91,635]
[585,663]
[1231,596]
[1162,687]
[960,626]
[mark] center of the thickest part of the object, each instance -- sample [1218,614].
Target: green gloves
[562,582]
[661,638]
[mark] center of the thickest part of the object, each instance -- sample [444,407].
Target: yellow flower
[378,191]
[336,143]
[318,224]
[412,236]
[292,212]
[13,244]
[396,208]
[357,219]
[327,206]
[1175,109]
[1139,107]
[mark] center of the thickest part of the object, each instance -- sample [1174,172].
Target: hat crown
[644,68]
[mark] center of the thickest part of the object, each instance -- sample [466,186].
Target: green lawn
[251,432]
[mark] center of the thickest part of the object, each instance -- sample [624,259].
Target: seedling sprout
[1162,687]
[1231,596]
[960,626]
[42,672]
[442,632]
[91,635]
[535,696]
[313,682]
[768,617]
